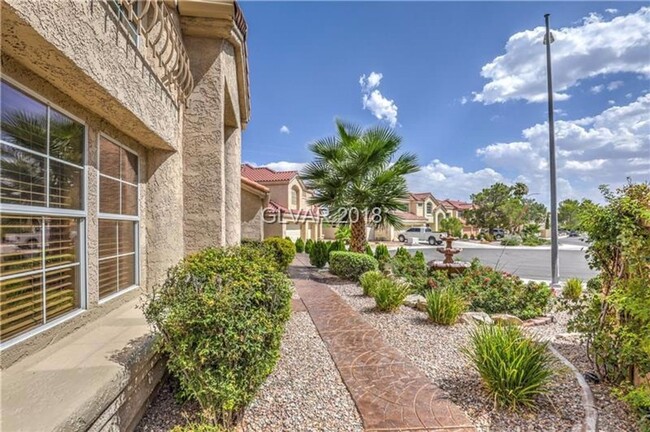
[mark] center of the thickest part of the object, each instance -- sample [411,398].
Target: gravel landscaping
[304,393]
[613,415]
[435,350]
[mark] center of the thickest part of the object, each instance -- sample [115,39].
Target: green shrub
[389,294]
[465,237]
[308,245]
[514,368]
[319,254]
[369,281]
[445,305]
[595,284]
[511,240]
[300,245]
[572,289]
[283,249]
[220,316]
[639,399]
[351,265]
[382,256]
[368,250]
[343,234]
[533,241]
[488,237]
[411,268]
[336,246]
[472,237]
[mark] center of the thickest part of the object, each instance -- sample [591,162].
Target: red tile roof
[254,184]
[408,216]
[421,196]
[264,174]
[458,205]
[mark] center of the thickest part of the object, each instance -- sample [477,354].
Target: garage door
[293,231]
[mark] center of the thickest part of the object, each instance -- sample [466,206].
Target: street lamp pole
[555,257]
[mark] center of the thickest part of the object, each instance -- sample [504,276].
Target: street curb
[590,421]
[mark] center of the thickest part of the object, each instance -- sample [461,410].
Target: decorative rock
[421,305]
[534,322]
[506,319]
[476,317]
[412,300]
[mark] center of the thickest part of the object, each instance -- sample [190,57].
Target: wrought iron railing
[155,24]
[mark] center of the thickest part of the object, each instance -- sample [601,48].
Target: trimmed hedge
[300,245]
[220,316]
[308,245]
[351,265]
[283,249]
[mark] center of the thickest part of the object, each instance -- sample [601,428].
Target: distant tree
[452,226]
[535,211]
[568,214]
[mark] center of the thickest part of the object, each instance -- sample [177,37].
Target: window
[429,208]
[42,151]
[294,199]
[118,218]
[419,205]
[427,230]
[413,230]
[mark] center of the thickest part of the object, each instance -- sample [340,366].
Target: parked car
[422,234]
[574,234]
[497,233]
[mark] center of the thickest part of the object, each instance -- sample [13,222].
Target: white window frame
[33,211]
[119,217]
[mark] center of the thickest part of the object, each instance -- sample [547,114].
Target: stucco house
[457,209]
[121,151]
[288,213]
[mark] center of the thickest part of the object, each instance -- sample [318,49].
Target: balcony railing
[153,21]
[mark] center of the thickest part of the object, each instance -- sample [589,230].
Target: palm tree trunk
[358,237]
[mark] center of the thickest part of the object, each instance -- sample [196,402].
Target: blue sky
[423,66]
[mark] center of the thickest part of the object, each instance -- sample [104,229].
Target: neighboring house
[254,200]
[121,152]
[427,206]
[457,209]
[288,213]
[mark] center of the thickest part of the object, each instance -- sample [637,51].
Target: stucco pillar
[232,174]
[203,148]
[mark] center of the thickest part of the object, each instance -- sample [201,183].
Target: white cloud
[611,102]
[605,148]
[614,85]
[611,11]
[285,166]
[285,130]
[594,47]
[370,82]
[448,181]
[628,96]
[597,89]
[375,102]
[463,100]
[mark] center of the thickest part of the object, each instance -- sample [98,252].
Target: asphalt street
[528,263]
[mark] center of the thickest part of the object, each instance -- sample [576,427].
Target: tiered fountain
[448,264]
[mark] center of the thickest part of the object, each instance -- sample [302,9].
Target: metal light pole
[555,257]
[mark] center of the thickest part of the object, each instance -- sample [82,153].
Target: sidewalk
[390,392]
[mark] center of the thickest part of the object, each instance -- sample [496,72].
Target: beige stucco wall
[252,212]
[81,48]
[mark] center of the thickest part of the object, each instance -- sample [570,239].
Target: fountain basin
[456,267]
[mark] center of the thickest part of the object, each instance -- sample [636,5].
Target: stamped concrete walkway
[390,392]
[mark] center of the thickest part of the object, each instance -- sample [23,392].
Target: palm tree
[357,176]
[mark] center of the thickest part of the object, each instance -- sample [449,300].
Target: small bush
[300,245]
[639,399]
[488,237]
[412,268]
[511,240]
[595,284]
[343,234]
[308,245]
[514,368]
[472,237]
[368,250]
[445,305]
[220,316]
[319,254]
[283,249]
[369,281]
[351,265]
[389,294]
[336,246]
[382,256]
[465,237]
[572,289]
[533,241]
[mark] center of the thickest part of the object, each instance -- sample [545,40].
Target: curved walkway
[390,392]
